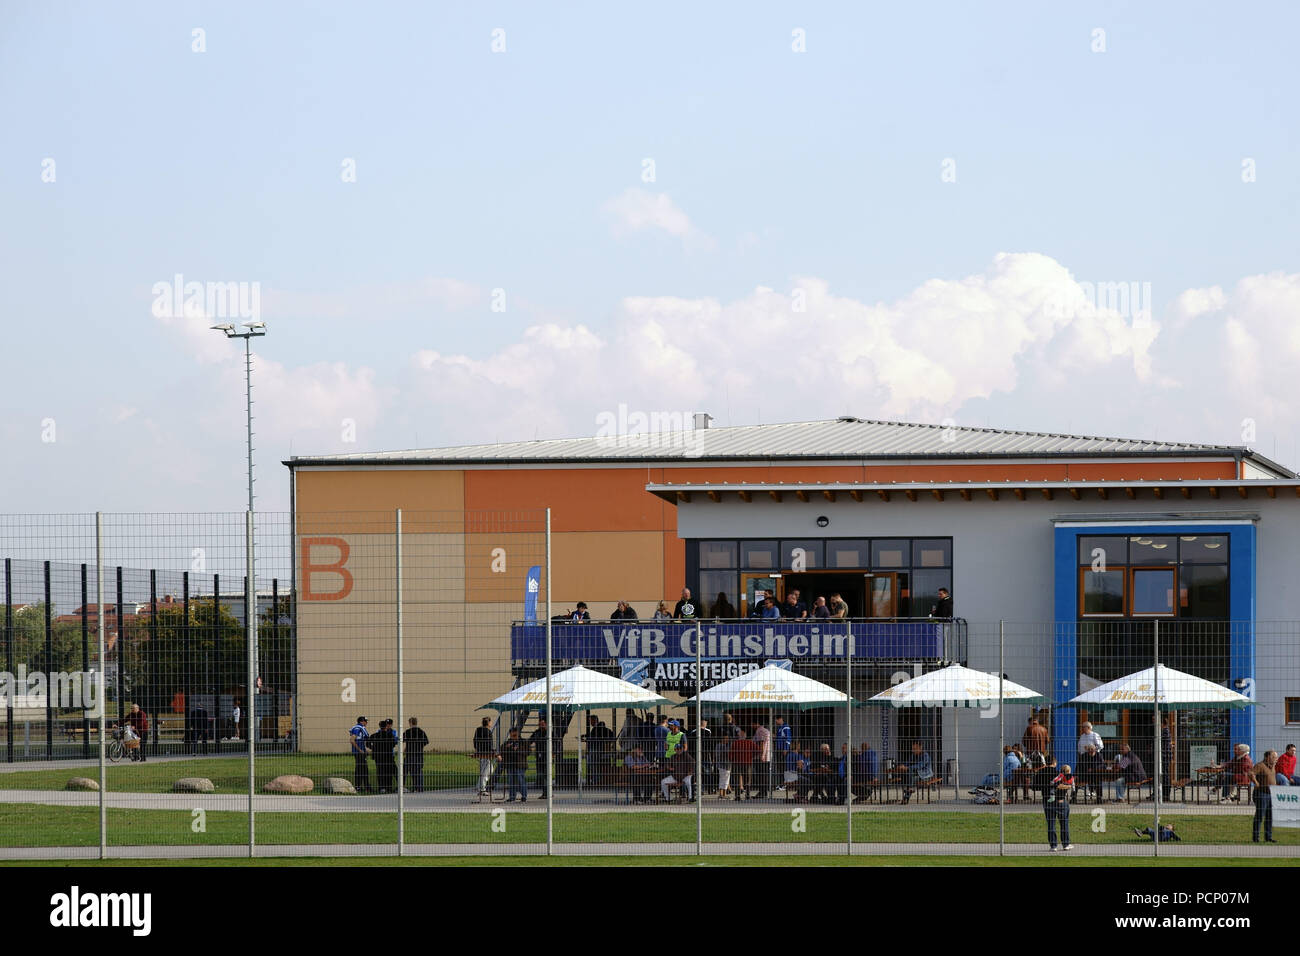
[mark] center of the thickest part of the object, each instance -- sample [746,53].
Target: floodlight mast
[252,330]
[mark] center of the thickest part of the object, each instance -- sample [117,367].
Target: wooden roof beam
[1130,491]
[714,496]
[965,494]
[745,496]
[1272,492]
[776,496]
[856,495]
[1105,493]
[1158,492]
[1074,493]
[1019,493]
[992,493]
[884,495]
[801,494]
[938,494]
[1187,492]
[1214,491]
[828,495]
[1047,493]
[684,496]
[911,495]
[1241,490]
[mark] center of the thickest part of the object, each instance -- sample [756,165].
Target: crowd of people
[766,605]
[382,746]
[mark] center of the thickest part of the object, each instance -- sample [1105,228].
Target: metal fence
[431,626]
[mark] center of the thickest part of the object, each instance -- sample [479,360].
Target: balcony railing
[816,641]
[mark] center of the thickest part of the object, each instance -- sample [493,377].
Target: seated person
[866,772]
[1235,773]
[796,771]
[681,769]
[823,775]
[1286,775]
[1025,772]
[1010,764]
[640,775]
[1130,770]
[921,768]
[1090,770]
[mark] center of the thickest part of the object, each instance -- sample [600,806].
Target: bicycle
[115,748]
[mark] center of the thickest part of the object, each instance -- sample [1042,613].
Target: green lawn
[36,825]
[661,861]
[230,774]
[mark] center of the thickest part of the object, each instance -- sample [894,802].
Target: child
[1056,803]
[1166,833]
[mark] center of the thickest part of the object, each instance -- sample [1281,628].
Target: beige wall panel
[496,565]
[602,567]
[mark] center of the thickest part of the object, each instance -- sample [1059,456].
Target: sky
[467,223]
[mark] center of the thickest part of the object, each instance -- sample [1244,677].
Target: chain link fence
[412,688]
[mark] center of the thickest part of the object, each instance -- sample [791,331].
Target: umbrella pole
[1155,727]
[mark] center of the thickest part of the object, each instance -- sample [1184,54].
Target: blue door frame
[1241,611]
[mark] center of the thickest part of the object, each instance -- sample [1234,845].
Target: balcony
[816,642]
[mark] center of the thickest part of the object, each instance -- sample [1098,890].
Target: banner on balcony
[891,640]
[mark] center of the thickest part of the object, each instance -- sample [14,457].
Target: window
[887,553]
[715,585]
[1153,591]
[1204,591]
[846,554]
[931,553]
[1103,552]
[760,555]
[717,554]
[1203,549]
[1145,549]
[1293,711]
[1102,592]
[812,553]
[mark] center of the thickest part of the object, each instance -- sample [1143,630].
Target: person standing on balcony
[722,607]
[792,610]
[942,609]
[686,609]
[839,609]
[820,610]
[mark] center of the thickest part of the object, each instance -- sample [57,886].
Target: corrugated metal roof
[844,438]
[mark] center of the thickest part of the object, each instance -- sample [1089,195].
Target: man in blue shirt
[361,770]
[784,737]
[865,770]
[770,610]
[921,767]
[661,738]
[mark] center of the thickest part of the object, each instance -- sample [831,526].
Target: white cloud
[636,209]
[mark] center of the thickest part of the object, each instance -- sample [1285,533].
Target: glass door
[882,594]
[753,583]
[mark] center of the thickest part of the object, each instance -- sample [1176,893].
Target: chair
[1181,786]
[926,786]
[1137,786]
[621,778]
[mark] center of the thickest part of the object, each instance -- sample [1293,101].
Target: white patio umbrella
[1178,691]
[574,689]
[770,687]
[577,688]
[955,686]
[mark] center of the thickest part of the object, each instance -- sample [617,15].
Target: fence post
[848,761]
[151,658]
[699,741]
[401,719]
[85,657]
[49,669]
[9,660]
[250,649]
[1157,752]
[550,722]
[121,652]
[103,684]
[211,686]
[1002,740]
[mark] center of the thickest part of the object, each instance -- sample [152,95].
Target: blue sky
[522,171]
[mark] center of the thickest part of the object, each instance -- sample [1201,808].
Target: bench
[1137,787]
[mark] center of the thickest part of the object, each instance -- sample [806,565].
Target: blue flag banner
[530,593]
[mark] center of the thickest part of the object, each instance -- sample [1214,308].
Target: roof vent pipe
[702,420]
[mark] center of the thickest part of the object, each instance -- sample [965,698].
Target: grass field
[679,861]
[34,825]
[230,774]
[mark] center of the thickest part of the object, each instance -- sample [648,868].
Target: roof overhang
[1202,489]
